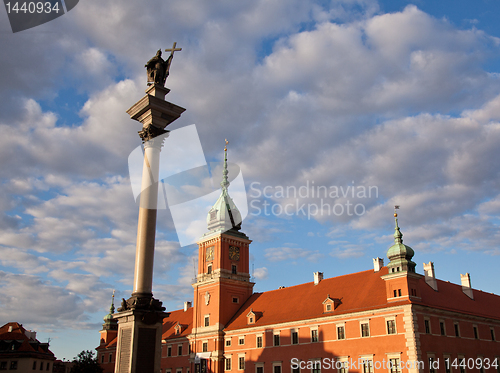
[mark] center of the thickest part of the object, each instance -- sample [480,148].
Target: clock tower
[223,280]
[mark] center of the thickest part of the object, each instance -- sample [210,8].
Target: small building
[22,352]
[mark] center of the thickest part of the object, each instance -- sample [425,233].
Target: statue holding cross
[158,69]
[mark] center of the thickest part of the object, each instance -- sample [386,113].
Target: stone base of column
[139,341]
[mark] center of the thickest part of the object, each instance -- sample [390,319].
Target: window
[228,342]
[316,367]
[340,332]
[427,327]
[207,320]
[441,327]
[241,363]
[277,368]
[394,365]
[189,350]
[462,365]
[399,292]
[241,341]
[296,369]
[395,293]
[447,367]
[329,307]
[234,269]
[476,335]
[228,363]
[250,320]
[365,330]
[367,366]
[41,365]
[13,365]
[431,365]
[259,368]
[391,326]
[3,365]
[457,330]
[344,365]
[236,300]
[48,365]
[492,331]
[276,339]
[204,347]
[295,337]
[209,269]
[102,359]
[314,335]
[179,350]
[34,365]
[110,358]
[259,341]
[169,351]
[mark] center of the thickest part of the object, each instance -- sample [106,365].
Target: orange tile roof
[357,292]
[185,318]
[451,297]
[19,333]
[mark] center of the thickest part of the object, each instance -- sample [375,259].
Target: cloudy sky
[335,110]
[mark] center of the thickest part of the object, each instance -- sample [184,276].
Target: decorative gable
[178,328]
[252,316]
[330,304]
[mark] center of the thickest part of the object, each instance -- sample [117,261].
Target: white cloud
[277,254]
[260,273]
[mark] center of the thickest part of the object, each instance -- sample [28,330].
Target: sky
[378,103]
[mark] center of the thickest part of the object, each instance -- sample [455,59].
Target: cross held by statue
[173,49]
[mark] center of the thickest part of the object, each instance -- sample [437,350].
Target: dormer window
[329,304]
[252,317]
[178,329]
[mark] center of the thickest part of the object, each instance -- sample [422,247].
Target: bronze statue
[158,69]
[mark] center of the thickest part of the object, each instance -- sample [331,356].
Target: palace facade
[385,319]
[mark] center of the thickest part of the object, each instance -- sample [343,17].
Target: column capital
[149,132]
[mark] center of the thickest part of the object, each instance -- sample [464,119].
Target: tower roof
[224,215]
[399,254]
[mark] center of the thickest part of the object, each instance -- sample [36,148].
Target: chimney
[466,285]
[430,277]
[378,263]
[187,305]
[318,276]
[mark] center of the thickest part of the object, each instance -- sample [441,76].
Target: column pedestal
[139,341]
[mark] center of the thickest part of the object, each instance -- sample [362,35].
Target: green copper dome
[399,254]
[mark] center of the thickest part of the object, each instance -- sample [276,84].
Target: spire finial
[398,236]
[225,183]
[112,308]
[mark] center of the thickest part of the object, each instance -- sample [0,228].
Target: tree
[86,362]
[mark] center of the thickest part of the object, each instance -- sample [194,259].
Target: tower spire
[398,236]
[225,183]
[399,254]
[224,215]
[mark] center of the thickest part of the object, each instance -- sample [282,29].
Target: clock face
[210,253]
[234,253]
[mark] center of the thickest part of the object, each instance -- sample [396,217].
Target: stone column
[140,318]
[146,227]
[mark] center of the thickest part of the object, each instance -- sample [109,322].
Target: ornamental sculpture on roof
[158,69]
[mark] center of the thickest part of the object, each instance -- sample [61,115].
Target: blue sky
[400,96]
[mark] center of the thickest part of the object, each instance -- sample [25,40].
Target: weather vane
[395,213]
